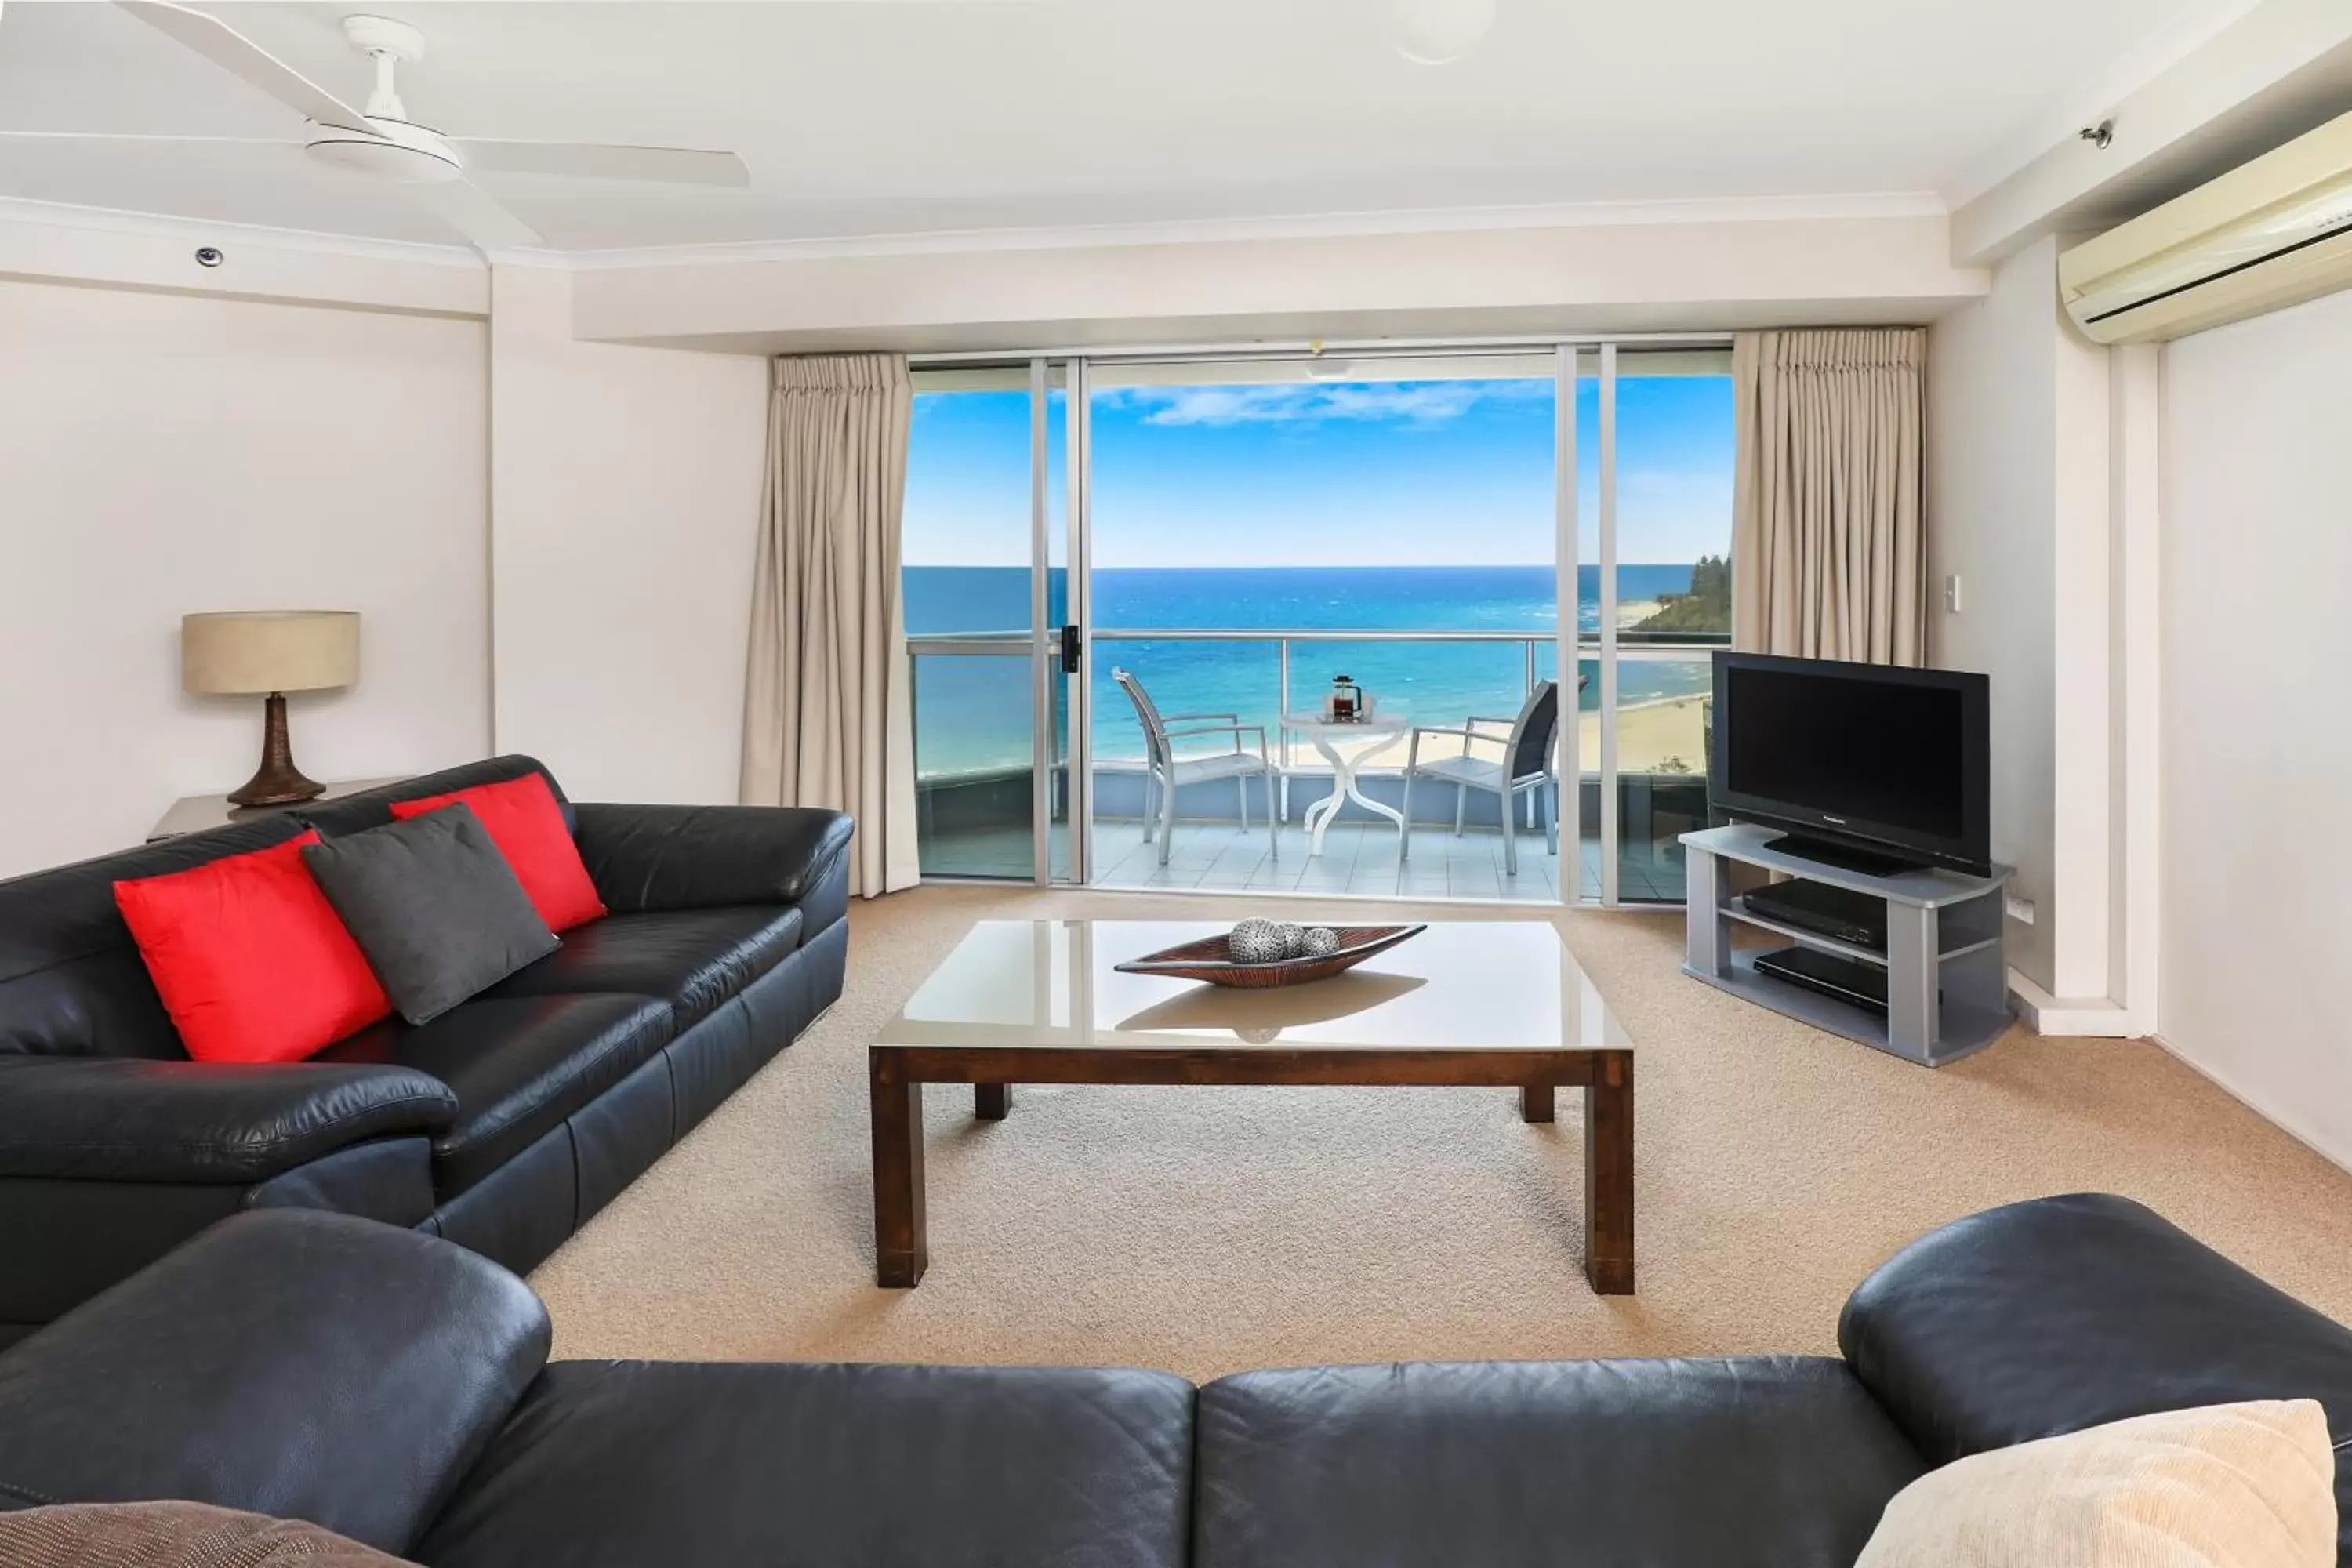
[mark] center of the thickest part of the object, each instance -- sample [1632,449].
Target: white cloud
[1417,403]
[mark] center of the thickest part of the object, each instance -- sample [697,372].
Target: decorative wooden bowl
[1211,959]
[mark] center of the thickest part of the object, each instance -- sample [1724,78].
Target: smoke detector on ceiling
[1438,32]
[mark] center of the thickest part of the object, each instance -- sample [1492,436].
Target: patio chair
[1165,773]
[1527,768]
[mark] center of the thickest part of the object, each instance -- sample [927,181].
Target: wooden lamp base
[278,782]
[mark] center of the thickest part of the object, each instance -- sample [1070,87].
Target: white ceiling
[886,117]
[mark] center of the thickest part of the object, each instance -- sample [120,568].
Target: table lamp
[259,653]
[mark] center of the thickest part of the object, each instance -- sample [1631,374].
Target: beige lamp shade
[250,652]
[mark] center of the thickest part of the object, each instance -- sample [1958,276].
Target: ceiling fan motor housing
[389,146]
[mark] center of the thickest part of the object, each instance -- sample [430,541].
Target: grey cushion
[433,905]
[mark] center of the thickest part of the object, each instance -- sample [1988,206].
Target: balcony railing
[977,782]
[1480,689]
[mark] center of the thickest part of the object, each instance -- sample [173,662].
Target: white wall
[164,453]
[2021,493]
[2257,735]
[624,500]
[1991,480]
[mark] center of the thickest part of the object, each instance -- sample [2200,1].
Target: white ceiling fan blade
[233,52]
[475,214]
[595,160]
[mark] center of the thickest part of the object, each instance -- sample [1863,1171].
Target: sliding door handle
[1069,641]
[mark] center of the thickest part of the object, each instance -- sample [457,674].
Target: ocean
[972,713]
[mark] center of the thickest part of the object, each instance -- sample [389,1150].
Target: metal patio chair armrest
[1413,756]
[1208,730]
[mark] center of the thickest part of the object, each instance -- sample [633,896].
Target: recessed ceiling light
[1438,32]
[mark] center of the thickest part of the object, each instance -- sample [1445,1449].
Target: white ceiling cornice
[1325,225]
[107,220]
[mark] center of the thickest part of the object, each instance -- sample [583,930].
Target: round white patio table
[1384,730]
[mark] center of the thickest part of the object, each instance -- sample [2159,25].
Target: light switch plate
[1952,594]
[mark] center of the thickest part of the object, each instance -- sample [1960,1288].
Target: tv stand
[1845,857]
[1946,978]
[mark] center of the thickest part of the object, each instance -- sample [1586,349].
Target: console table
[1946,978]
[194,814]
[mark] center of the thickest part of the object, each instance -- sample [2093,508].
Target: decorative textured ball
[1319,941]
[1256,942]
[1293,938]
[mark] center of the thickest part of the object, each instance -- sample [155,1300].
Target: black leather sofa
[390,1386]
[502,1125]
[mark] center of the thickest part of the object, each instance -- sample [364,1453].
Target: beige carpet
[1206,1230]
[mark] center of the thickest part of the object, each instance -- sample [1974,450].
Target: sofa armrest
[645,858]
[131,1120]
[290,1363]
[2048,1316]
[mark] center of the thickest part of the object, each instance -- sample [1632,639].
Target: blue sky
[1371,473]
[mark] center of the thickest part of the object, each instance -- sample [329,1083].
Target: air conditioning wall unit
[2270,234]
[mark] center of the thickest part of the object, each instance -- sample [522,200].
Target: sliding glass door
[986,577]
[1672,435]
[1236,532]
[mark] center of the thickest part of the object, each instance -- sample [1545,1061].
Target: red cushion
[249,958]
[527,826]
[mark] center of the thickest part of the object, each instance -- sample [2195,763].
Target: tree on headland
[1705,608]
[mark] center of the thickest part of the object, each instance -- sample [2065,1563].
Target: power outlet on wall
[2018,909]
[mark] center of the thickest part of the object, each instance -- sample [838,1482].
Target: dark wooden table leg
[1609,1173]
[1535,1102]
[901,1250]
[990,1101]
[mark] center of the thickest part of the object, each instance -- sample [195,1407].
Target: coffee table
[1466,1004]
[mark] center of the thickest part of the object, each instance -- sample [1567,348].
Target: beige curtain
[826,714]
[1828,545]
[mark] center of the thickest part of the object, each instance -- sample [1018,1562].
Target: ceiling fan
[380,142]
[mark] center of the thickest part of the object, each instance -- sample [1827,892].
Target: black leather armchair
[503,1124]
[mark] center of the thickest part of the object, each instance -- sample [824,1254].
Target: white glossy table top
[1376,724]
[1477,984]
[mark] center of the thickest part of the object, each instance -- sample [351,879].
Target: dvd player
[1848,980]
[1824,911]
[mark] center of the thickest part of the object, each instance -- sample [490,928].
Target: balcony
[979,798]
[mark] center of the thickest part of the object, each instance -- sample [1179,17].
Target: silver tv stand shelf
[1946,979]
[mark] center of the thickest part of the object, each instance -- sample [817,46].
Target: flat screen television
[1866,765]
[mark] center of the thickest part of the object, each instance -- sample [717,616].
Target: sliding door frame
[1610,846]
[1044,639]
[1568,657]
[1078,438]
